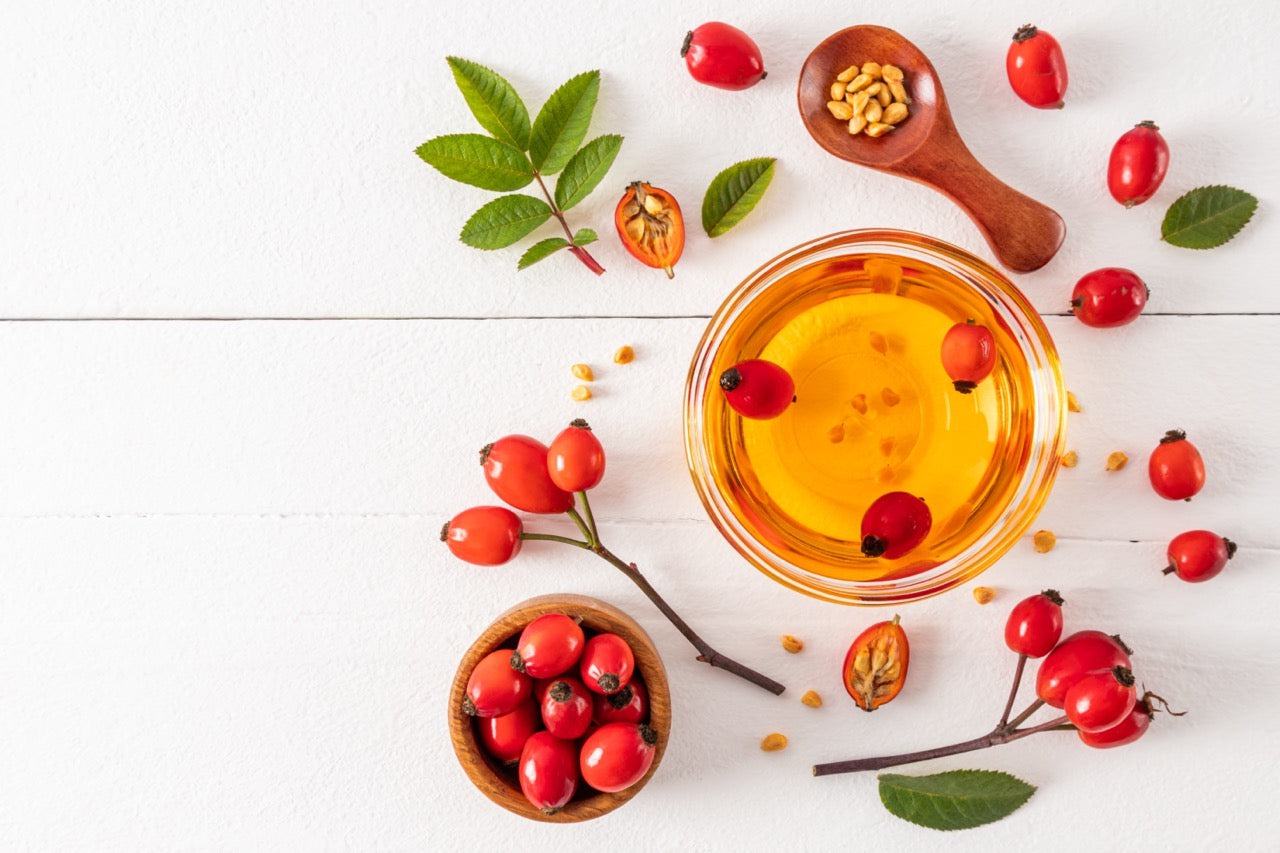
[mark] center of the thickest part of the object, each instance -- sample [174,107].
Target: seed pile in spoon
[871,97]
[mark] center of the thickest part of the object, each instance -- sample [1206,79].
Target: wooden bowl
[499,783]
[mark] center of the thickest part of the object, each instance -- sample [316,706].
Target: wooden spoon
[925,146]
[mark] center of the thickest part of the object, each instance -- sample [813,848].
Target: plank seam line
[489,318]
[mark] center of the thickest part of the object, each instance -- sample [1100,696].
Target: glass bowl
[1031,412]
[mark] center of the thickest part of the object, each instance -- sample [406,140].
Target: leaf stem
[586,531]
[548,537]
[1022,718]
[591,520]
[581,253]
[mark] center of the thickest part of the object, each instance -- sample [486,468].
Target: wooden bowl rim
[598,616]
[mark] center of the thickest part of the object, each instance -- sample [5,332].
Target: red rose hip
[628,705]
[722,56]
[483,535]
[968,355]
[1109,297]
[575,459]
[1075,657]
[617,755]
[503,737]
[1099,700]
[1138,164]
[515,466]
[548,646]
[1035,624]
[566,708]
[1036,68]
[758,389]
[494,688]
[607,664]
[894,524]
[548,771]
[1198,555]
[1175,467]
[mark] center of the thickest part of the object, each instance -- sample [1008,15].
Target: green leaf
[1207,217]
[562,122]
[504,220]
[733,193]
[957,799]
[493,102]
[585,169]
[541,249]
[478,160]
[584,236]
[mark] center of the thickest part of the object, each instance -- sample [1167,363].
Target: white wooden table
[246,367]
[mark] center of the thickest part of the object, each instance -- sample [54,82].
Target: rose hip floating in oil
[968,354]
[1109,297]
[1198,555]
[1175,467]
[758,389]
[894,524]
[723,56]
[875,667]
[650,226]
[1036,67]
[1138,164]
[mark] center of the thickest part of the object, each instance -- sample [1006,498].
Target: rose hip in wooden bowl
[500,780]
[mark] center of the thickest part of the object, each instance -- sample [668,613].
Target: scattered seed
[840,110]
[859,403]
[984,594]
[890,397]
[879,128]
[812,699]
[1070,458]
[583,372]
[878,343]
[848,74]
[835,435]
[792,644]
[624,355]
[580,393]
[774,742]
[1117,460]
[886,446]
[1073,404]
[1044,540]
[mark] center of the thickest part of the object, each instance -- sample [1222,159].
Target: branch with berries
[535,478]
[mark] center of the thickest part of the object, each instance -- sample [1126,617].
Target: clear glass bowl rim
[1048,420]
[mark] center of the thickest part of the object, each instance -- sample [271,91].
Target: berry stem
[548,537]
[1013,691]
[1022,718]
[706,653]
[996,737]
[591,519]
[582,526]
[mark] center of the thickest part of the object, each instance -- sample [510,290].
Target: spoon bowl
[925,147]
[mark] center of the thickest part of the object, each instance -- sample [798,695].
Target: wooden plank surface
[280,682]
[251,160]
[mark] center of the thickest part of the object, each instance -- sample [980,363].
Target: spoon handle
[1023,233]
